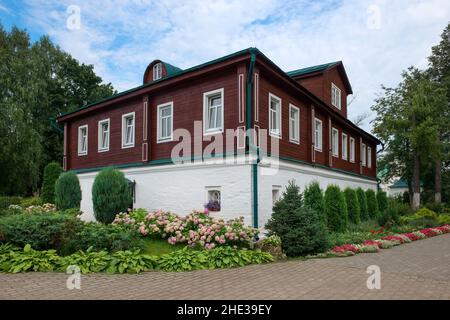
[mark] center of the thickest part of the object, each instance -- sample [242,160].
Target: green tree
[301,230]
[336,209]
[110,195]
[382,200]
[313,197]
[67,191]
[51,174]
[372,204]
[354,211]
[361,195]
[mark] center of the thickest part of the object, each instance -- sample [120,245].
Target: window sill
[275,135]
[164,140]
[82,154]
[212,132]
[317,149]
[128,146]
[103,150]
[294,141]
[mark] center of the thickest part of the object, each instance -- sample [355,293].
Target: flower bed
[386,242]
[196,229]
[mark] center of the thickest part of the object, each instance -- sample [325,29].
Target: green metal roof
[170,69]
[400,183]
[318,68]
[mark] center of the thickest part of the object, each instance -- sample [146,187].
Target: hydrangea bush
[196,229]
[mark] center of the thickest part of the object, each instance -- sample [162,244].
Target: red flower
[345,248]
[372,243]
[412,236]
[395,238]
[428,232]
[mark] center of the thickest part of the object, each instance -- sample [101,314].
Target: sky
[375,39]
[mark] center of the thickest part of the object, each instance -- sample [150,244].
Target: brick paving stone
[419,270]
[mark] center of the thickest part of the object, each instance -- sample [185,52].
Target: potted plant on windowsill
[213,205]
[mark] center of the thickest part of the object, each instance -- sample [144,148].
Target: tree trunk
[416,183]
[438,181]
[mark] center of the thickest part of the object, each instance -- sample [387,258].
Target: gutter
[378,179]
[251,147]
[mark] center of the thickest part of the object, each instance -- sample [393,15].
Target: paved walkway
[420,270]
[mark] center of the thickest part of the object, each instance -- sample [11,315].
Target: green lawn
[157,247]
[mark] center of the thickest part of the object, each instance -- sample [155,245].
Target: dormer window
[157,71]
[335,96]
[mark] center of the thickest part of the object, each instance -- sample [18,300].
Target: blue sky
[376,39]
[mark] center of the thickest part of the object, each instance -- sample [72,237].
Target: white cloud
[121,37]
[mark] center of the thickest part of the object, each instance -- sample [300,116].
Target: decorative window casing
[369,157]
[103,135]
[318,134]
[276,194]
[335,96]
[335,142]
[157,71]
[213,199]
[294,124]
[363,154]
[352,149]
[344,146]
[274,116]
[128,130]
[83,140]
[165,122]
[213,111]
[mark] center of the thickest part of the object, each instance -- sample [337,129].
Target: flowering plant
[213,205]
[196,229]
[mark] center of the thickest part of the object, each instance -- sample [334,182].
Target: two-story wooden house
[275,127]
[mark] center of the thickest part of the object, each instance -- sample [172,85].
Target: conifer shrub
[362,199]
[51,174]
[354,211]
[67,191]
[372,204]
[336,209]
[382,200]
[110,195]
[313,197]
[301,230]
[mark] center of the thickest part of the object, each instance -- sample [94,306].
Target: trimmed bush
[6,201]
[388,217]
[110,195]
[301,230]
[67,191]
[354,211]
[382,200]
[336,209]
[372,204]
[362,199]
[51,174]
[313,197]
[42,231]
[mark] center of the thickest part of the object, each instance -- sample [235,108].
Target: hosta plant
[88,261]
[129,261]
[30,260]
[183,260]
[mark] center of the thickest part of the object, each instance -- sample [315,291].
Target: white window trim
[352,150]
[157,68]
[344,143]
[333,142]
[277,188]
[363,154]
[100,135]
[206,95]
[291,139]
[124,116]
[333,97]
[83,153]
[316,147]
[273,134]
[158,123]
[369,157]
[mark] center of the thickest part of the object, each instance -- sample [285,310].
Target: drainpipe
[251,146]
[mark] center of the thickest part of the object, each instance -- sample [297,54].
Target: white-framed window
[128,121]
[294,124]
[103,135]
[363,154]
[369,157]
[276,194]
[157,71]
[352,149]
[318,134]
[335,142]
[344,146]
[213,105]
[165,122]
[83,140]
[274,116]
[213,199]
[335,96]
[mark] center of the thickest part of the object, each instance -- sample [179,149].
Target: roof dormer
[158,70]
